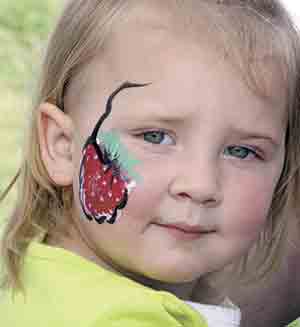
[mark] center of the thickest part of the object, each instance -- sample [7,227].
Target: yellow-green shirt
[66,290]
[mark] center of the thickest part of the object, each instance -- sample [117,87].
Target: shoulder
[70,291]
[139,307]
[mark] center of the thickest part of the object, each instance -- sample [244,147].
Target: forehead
[154,43]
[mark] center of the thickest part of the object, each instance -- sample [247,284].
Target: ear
[56,132]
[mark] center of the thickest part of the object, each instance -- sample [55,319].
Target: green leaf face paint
[118,153]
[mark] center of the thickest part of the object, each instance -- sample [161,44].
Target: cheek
[145,199]
[252,201]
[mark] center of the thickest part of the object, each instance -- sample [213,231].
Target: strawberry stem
[108,108]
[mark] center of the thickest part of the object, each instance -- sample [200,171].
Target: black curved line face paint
[103,185]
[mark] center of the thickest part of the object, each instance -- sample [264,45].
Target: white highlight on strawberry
[131,186]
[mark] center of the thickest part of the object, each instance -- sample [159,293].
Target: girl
[163,146]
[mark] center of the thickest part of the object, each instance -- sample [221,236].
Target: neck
[184,291]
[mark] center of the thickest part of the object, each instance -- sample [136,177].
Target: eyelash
[158,131]
[250,150]
[255,152]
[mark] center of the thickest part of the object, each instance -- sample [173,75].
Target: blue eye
[158,137]
[240,152]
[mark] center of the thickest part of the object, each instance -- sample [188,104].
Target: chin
[173,276]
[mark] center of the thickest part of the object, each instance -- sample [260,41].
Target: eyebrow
[177,119]
[152,118]
[157,113]
[258,135]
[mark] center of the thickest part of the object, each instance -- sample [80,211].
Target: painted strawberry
[104,185]
[106,173]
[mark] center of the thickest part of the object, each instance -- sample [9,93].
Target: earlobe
[55,130]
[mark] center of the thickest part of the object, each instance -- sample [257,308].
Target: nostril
[210,202]
[184,195]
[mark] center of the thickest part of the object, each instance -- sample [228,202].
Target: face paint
[107,173]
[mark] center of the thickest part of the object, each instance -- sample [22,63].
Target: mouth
[184,230]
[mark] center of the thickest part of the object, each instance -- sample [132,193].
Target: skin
[215,169]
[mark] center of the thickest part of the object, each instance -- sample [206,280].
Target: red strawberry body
[102,191]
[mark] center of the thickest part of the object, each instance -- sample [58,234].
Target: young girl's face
[210,151]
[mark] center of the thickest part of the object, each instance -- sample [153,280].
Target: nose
[197,179]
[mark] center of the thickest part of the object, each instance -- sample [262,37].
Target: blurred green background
[24,30]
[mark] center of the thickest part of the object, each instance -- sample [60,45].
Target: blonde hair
[79,35]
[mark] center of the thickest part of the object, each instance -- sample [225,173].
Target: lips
[185,228]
